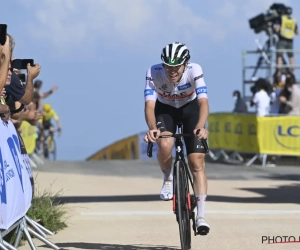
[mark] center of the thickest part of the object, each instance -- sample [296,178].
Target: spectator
[286,29]
[275,102]
[284,108]
[5,52]
[261,99]
[14,90]
[293,103]
[240,106]
[38,96]
[16,96]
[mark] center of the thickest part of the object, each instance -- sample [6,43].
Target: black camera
[260,22]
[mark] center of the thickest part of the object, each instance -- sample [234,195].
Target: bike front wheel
[52,149]
[183,206]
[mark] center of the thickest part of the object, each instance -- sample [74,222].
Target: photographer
[286,28]
[15,96]
[19,111]
[16,89]
[293,102]
[261,98]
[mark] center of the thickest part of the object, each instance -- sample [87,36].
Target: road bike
[49,146]
[184,199]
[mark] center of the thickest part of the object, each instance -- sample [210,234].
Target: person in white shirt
[261,99]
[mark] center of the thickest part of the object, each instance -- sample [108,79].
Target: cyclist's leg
[45,125]
[196,159]
[51,129]
[165,124]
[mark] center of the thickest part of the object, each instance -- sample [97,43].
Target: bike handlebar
[150,144]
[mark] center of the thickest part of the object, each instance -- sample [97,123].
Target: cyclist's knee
[165,145]
[197,162]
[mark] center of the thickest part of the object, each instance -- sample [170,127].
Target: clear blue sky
[98,51]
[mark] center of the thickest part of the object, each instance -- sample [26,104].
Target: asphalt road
[110,208]
[133,168]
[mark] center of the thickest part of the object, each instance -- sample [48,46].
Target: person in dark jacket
[240,106]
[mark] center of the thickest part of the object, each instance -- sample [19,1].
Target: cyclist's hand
[150,135]
[202,134]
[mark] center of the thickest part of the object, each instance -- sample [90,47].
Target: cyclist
[175,91]
[45,122]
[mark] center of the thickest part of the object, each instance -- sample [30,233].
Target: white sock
[201,200]
[168,175]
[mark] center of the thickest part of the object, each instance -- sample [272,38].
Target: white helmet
[175,54]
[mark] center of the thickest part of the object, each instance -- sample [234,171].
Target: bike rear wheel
[183,206]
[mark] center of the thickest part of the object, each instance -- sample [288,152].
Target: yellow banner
[28,134]
[127,148]
[252,134]
[280,135]
[233,132]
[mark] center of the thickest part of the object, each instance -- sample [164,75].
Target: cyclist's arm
[150,98]
[55,117]
[201,92]
[58,124]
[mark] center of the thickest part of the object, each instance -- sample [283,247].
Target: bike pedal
[203,230]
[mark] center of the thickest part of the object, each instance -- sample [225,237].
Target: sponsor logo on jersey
[148,92]
[184,86]
[149,78]
[164,86]
[198,77]
[182,95]
[158,68]
[201,90]
[189,67]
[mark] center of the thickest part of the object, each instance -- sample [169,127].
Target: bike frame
[179,156]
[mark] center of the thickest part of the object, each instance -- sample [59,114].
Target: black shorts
[47,124]
[188,115]
[285,44]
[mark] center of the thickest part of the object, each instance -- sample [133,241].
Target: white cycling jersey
[190,86]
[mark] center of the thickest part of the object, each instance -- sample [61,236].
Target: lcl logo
[293,131]
[287,136]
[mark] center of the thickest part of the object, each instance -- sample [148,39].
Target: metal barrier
[249,134]
[16,192]
[27,227]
